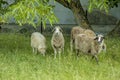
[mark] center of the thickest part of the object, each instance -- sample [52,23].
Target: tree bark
[78,12]
[80,15]
[116,30]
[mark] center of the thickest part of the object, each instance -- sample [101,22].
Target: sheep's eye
[96,38]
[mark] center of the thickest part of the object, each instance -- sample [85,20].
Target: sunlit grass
[17,62]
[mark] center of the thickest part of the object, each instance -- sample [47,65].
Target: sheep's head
[42,50]
[57,30]
[99,38]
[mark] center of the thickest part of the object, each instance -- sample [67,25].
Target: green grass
[17,62]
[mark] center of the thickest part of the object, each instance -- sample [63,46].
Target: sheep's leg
[59,51]
[55,52]
[59,55]
[63,50]
[95,58]
[93,52]
[35,50]
[77,52]
[71,45]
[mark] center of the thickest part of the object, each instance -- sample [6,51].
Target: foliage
[31,12]
[113,3]
[3,9]
[102,4]
[36,11]
[17,62]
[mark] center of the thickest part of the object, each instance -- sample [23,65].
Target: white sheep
[78,30]
[57,41]
[38,43]
[89,45]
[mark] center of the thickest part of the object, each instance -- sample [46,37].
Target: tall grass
[17,62]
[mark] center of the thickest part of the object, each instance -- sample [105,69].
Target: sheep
[89,45]
[89,33]
[38,43]
[57,41]
[103,45]
[75,30]
[78,30]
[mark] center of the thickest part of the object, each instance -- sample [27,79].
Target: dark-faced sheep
[102,43]
[89,45]
[38,43]
[57,41]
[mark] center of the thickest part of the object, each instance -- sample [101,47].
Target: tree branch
[64,3]
[78,12]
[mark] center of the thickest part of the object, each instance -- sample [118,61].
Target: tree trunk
[80,15]
[78,12]
[41,27]
[116,30]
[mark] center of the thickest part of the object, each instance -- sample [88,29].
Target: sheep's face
[41,50]
[99,38]
[57,30]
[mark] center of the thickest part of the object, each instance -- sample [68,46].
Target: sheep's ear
[103,37]
[95,38]
[61,30]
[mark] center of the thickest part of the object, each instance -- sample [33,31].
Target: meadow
[17,62]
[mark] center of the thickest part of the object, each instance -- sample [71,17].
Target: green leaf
[27,11]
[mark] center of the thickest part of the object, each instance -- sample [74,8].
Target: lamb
[38,43]
[78,30]
[89,45]
[57,41]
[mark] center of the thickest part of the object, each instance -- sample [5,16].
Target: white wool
[88,45]
[57,41]
[38,42]
[78,30]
